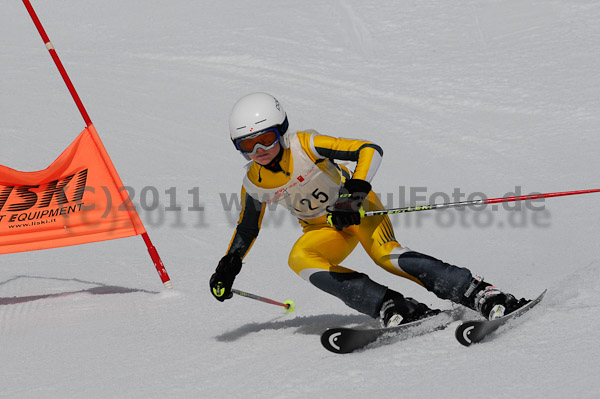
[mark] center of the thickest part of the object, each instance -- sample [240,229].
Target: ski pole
[474,202]
[288,305]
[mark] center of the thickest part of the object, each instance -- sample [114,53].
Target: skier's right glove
[222,279]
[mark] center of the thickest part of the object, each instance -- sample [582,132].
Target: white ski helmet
[255,112]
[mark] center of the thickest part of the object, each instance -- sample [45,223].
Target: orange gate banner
[76,200]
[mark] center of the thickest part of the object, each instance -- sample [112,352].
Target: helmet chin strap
[274,165]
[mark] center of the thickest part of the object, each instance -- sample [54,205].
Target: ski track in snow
[479,95]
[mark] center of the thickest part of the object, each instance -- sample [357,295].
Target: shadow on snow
[307,325]
[97,289]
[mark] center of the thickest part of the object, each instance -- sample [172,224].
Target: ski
[473,331]
[346,339]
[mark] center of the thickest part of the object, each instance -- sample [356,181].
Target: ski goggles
[265,139]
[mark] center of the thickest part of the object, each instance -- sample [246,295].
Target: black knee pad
[355,289]
[443,279]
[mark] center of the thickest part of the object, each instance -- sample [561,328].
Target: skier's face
[264,157]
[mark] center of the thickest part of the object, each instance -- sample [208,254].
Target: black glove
[347,209]
[222,279]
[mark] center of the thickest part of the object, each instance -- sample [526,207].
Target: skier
[298,170]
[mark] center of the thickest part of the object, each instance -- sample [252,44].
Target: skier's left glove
[222,279]
[347,210]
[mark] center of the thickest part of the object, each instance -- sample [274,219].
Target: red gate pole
[160,268]
[59,65]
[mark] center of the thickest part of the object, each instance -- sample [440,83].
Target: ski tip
[463,333]
[331,340]
[473,331]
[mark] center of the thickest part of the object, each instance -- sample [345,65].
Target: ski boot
[490,301]
[396,310]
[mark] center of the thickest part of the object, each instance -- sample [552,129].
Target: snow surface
[476,95]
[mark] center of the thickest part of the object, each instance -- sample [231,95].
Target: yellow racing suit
[307,180]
